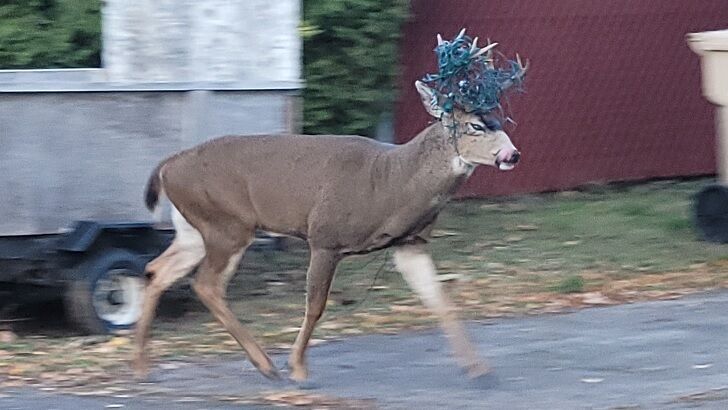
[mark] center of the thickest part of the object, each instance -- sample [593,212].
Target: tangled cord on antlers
[470,78]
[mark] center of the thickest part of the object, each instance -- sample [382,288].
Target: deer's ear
[430,99]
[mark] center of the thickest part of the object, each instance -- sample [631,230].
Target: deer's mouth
[505,166]
[508,161]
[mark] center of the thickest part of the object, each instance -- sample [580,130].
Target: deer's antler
[518,73]
[480,52]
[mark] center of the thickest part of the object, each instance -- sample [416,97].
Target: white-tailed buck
[344,195]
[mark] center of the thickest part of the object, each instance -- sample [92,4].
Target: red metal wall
[613,93]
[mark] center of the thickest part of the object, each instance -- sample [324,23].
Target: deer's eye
[477,127]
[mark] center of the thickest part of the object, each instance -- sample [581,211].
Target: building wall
[88,155]
[80,144]
[613,93]
[201,40]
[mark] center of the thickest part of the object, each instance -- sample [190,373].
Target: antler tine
[461,34]
[474,46]
[485,49]
[524,68]
[489,56]
[439,39]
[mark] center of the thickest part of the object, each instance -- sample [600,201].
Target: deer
[343,195]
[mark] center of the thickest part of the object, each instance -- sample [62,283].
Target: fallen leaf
[7,336]
[447,277]
[438,233]
[292,329]
[596,298]
[293,398]
[332,326]
[118,341]
[19,369]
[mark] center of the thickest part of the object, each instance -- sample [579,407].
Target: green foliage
[50,33]
[350,61]
[569,284]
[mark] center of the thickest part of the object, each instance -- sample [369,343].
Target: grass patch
[677,224]
[609,230]
[570,284]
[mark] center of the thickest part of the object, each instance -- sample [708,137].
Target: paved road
[656,355]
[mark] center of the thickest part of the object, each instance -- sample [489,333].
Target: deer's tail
[154,189]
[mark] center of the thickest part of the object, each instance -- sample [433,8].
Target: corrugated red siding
[613,93]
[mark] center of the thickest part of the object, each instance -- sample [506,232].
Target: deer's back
[271,181]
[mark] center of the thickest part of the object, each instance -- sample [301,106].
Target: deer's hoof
[270,372]
[298,374]
[141,370]
[477,369]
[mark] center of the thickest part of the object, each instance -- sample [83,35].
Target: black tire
[711,213]
[107,296]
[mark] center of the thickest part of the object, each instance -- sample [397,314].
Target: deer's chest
[397,230]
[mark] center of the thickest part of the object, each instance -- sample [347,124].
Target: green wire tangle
[470,78]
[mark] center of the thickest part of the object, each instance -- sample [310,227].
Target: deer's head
[465,94]
[478,138]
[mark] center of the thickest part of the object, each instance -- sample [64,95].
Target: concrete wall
[201,40]
[80,144]
[87,155]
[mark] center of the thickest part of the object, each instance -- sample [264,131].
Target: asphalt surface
[655,355]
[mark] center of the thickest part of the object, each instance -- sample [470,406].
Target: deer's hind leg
[225,247]
[419,272]
[185,252]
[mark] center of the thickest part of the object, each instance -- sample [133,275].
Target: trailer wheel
[108,296]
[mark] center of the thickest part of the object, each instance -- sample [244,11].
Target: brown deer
[344,195]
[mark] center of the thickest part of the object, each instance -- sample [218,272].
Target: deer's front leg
[320,274]
[418,270]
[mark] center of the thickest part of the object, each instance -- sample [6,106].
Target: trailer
[95,268]
[78,145]
[74,163]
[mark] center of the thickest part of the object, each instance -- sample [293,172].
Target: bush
[349,63]
[50,33]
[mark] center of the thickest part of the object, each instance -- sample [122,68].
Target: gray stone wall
[75,156]
[208,40]
[80,144]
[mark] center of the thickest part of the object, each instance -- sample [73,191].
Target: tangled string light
[469,77]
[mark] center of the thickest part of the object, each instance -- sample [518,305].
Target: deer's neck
[432,164]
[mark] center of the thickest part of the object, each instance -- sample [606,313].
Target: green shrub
[350,50]
[50,34]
